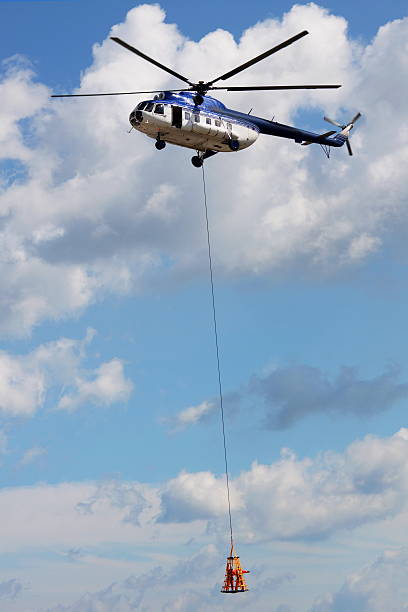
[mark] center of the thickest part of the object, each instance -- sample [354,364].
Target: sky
[113,490]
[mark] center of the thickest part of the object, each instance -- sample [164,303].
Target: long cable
[217,351]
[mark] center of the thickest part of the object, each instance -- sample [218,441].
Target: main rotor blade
[149,59]
[257,59]
[354,119]
[277,87]
[350,152]
[116,93]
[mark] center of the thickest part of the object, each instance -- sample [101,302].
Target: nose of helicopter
[136,118]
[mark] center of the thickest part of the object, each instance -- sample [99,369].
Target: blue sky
[106,324]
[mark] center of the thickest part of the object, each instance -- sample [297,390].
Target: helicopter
[190,118]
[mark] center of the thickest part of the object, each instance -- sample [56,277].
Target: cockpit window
[141,105]
[159,109]
[149,107]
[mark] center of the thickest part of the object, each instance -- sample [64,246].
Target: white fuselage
[196,128]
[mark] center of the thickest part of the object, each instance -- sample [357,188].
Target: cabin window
[141,105]
[149,107]
[159,109]
[217,122]
[197,118]
[229,126]
[186,115]
[208,120]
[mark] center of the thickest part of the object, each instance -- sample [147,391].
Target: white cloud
[190,497]
[377,587]
[100,209]
[300,498]
[34,515]
[107,386]
[190,416]
[363,245]
[139,503]
[25,380]
[22,386]
[15,91]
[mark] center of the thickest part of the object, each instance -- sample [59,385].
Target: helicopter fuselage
[175,118]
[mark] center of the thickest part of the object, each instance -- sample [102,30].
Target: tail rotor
[345,129]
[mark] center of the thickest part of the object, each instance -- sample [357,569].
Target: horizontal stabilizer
[321,137]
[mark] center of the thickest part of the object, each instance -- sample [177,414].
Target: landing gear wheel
[196,161]
[160,144]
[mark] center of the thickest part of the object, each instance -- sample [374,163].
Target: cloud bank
[300,498]
[290,499]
